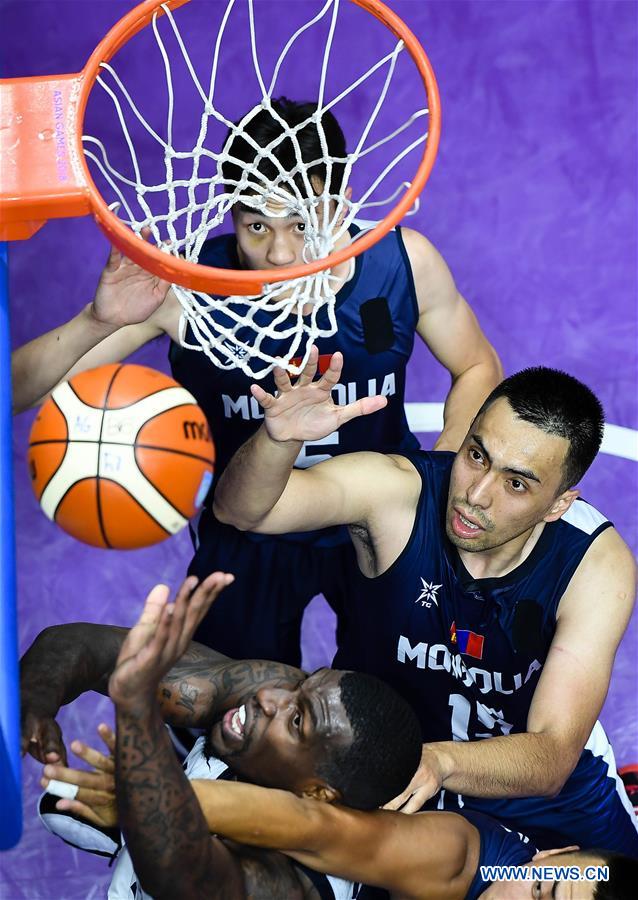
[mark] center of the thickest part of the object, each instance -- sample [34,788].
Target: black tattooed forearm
[165,831]
[167,836]
[195,691]
[67,660]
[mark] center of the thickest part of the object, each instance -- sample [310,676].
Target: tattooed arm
[66,660]
[165,831]
[164,828]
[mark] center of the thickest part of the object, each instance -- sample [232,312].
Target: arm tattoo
[167,836]
[200,686]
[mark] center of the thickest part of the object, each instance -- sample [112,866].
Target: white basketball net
[252,333]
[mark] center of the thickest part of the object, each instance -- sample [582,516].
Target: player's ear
[319,790]
[561,504]
[543,854]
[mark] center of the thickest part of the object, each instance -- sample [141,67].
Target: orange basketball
[121,456]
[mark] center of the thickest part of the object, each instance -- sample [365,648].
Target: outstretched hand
[306,411]
[126,293]
[94,789]
[161,637]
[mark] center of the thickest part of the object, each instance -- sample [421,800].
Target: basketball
[120,456]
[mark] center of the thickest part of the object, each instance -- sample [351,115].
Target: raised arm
[260,490]
[130,307]
[593,612]
[452,333]
[66,660]
[427,855]
[165,831]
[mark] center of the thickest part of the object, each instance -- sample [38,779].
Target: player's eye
[518,486]
[537,890]
[300,227]
[256,227]
[475,455]
[296,721]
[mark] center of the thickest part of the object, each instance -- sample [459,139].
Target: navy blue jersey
[468,653]
[376,314]
[499,847]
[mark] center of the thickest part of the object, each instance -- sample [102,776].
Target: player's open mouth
[464,527]
[233,724]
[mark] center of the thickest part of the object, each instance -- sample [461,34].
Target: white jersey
[124,884]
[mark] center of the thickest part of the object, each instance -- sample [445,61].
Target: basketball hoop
[48,174]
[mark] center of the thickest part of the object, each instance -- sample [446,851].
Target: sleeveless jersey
[468,653]
[499,847]
[376,314]
[125,886]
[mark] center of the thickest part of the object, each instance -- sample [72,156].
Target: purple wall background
[532,202]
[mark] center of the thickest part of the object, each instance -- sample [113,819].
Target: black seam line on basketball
[64,495]
[175,452]
[162,411]
[144,509]
[100,517]
[133,498]
[134,447]
[126,406]
[65,441]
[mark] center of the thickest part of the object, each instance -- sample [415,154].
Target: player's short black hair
[264,128]
[558,404]
[386,748]
[623,875]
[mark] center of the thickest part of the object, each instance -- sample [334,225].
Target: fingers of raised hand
[363,407]
[100,784]
[333,373]
[93,757]
[199,603]
[114,259]
[262,397]
[108,736]
[155,602]
[105,817]
[309,370]
[147,623]
[282,380]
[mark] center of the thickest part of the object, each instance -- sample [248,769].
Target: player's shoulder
[418,247]
[604,543]
[606,558]
[586,527]
[434,464]
[583,517]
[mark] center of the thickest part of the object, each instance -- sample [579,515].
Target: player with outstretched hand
[396,289]
[429,855]
[482,584]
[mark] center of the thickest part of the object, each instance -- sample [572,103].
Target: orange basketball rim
[45,174]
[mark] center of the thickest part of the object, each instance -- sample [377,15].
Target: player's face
[268,242]
[274,241]
[550,889]
[280,736]
[505,480]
